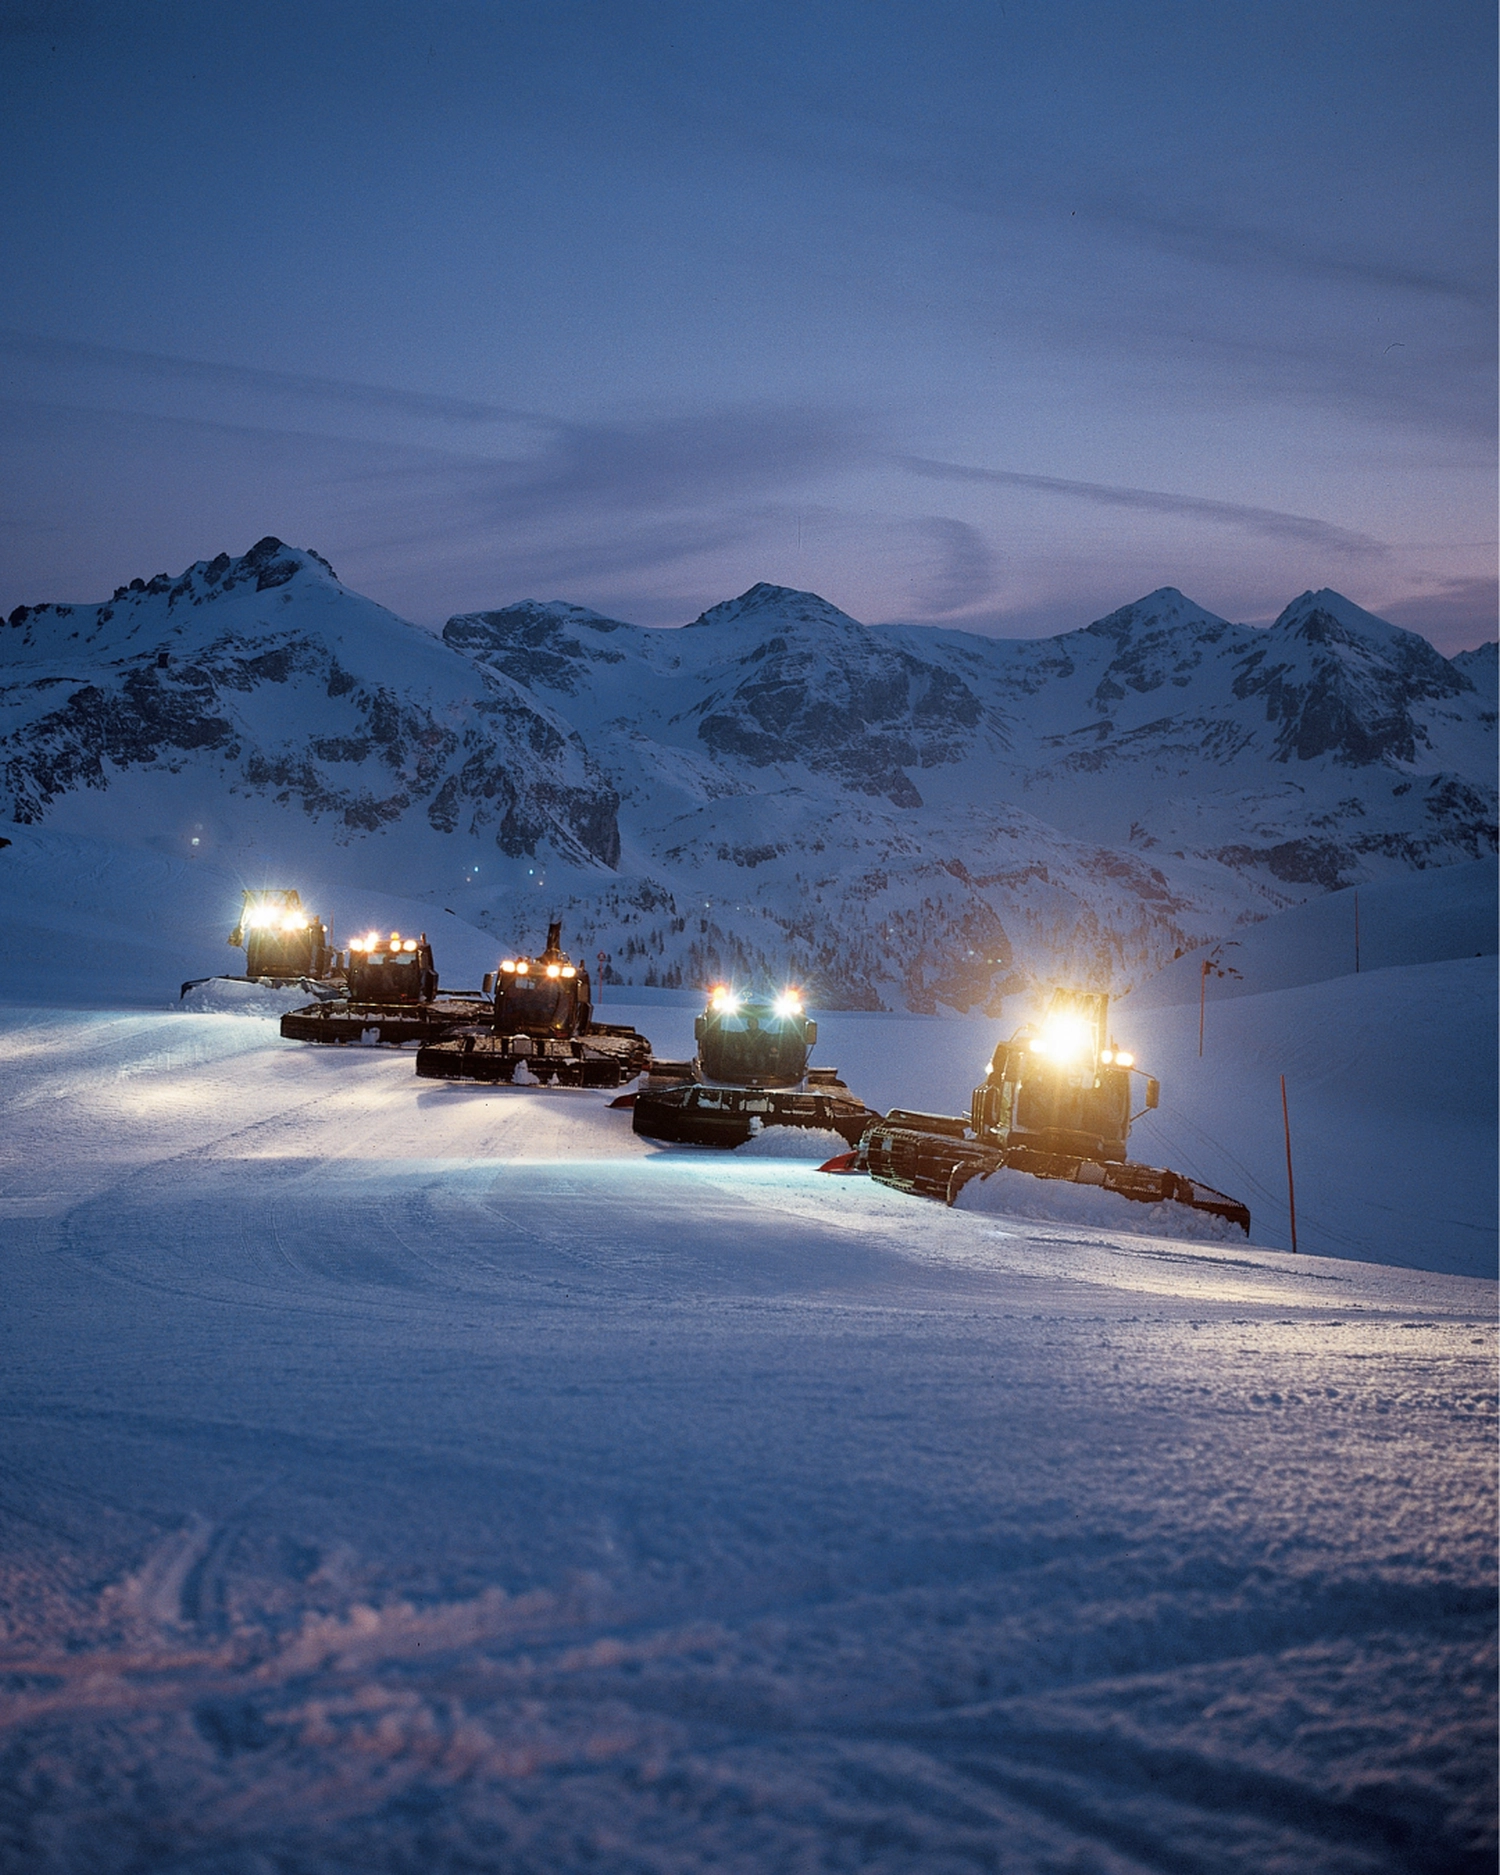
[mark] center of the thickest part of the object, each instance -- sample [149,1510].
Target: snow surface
[1005,1193]
[403,1476]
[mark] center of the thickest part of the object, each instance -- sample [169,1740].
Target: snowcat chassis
[695,1114]
[933,1156]
[604,1055]
[391,1025]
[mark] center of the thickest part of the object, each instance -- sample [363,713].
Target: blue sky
[992,315]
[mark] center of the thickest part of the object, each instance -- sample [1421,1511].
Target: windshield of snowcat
[753,1044]
[535,1004]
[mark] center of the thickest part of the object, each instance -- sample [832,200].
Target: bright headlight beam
[1065,1038]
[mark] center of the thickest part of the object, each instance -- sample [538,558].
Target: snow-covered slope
[92,923]
[896,816]
[402,1477]
[1417,918]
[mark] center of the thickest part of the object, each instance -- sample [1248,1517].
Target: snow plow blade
[692,1114]
[932,1156]
[323,988]
[602,1055]
[390,1024]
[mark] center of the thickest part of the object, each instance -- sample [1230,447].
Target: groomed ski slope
[406,1477]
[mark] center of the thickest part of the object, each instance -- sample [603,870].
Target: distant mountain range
[895,815]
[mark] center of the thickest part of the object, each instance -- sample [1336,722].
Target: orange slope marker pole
[1291,1190]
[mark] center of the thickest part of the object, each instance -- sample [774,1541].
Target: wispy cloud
[1223,242]
[27,349]
[964,571]
[1306,529]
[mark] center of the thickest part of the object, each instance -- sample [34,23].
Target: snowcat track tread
[913,1159]
[600,1057]
[340,1023]
[695,1115]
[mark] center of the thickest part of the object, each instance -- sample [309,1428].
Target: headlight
[569,972]
[724,1002]
[1064,1038]
[1124,1058]
[510,965]
[409,945]
[522,969]
[788,1003]
[554,970]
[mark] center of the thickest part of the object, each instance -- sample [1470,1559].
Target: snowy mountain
[892,814]
[263,683]
[966,813]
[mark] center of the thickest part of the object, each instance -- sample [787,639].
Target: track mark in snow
[155,1592]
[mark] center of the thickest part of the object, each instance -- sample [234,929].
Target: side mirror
[697,1028]
[810,1030]
[1153,1094]
[489,983]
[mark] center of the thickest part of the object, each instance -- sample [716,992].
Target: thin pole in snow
[1291,1190]
[1202,1000]
[1356,932]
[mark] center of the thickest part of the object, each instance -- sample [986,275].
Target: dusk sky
[992,315]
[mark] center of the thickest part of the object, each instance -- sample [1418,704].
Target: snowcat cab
[280,939]
[391,997]
[750,1072]
[545,997]
[1056,1102]
[393,969]
[1062,1086]
[542,1031]
[282,943]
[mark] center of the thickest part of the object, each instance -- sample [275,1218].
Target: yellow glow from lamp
[1065,1038]
[788,1003]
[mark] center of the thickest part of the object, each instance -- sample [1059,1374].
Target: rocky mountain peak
[1338,634]
[1166,609]
[537,642]
[775,605]
[148,609]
